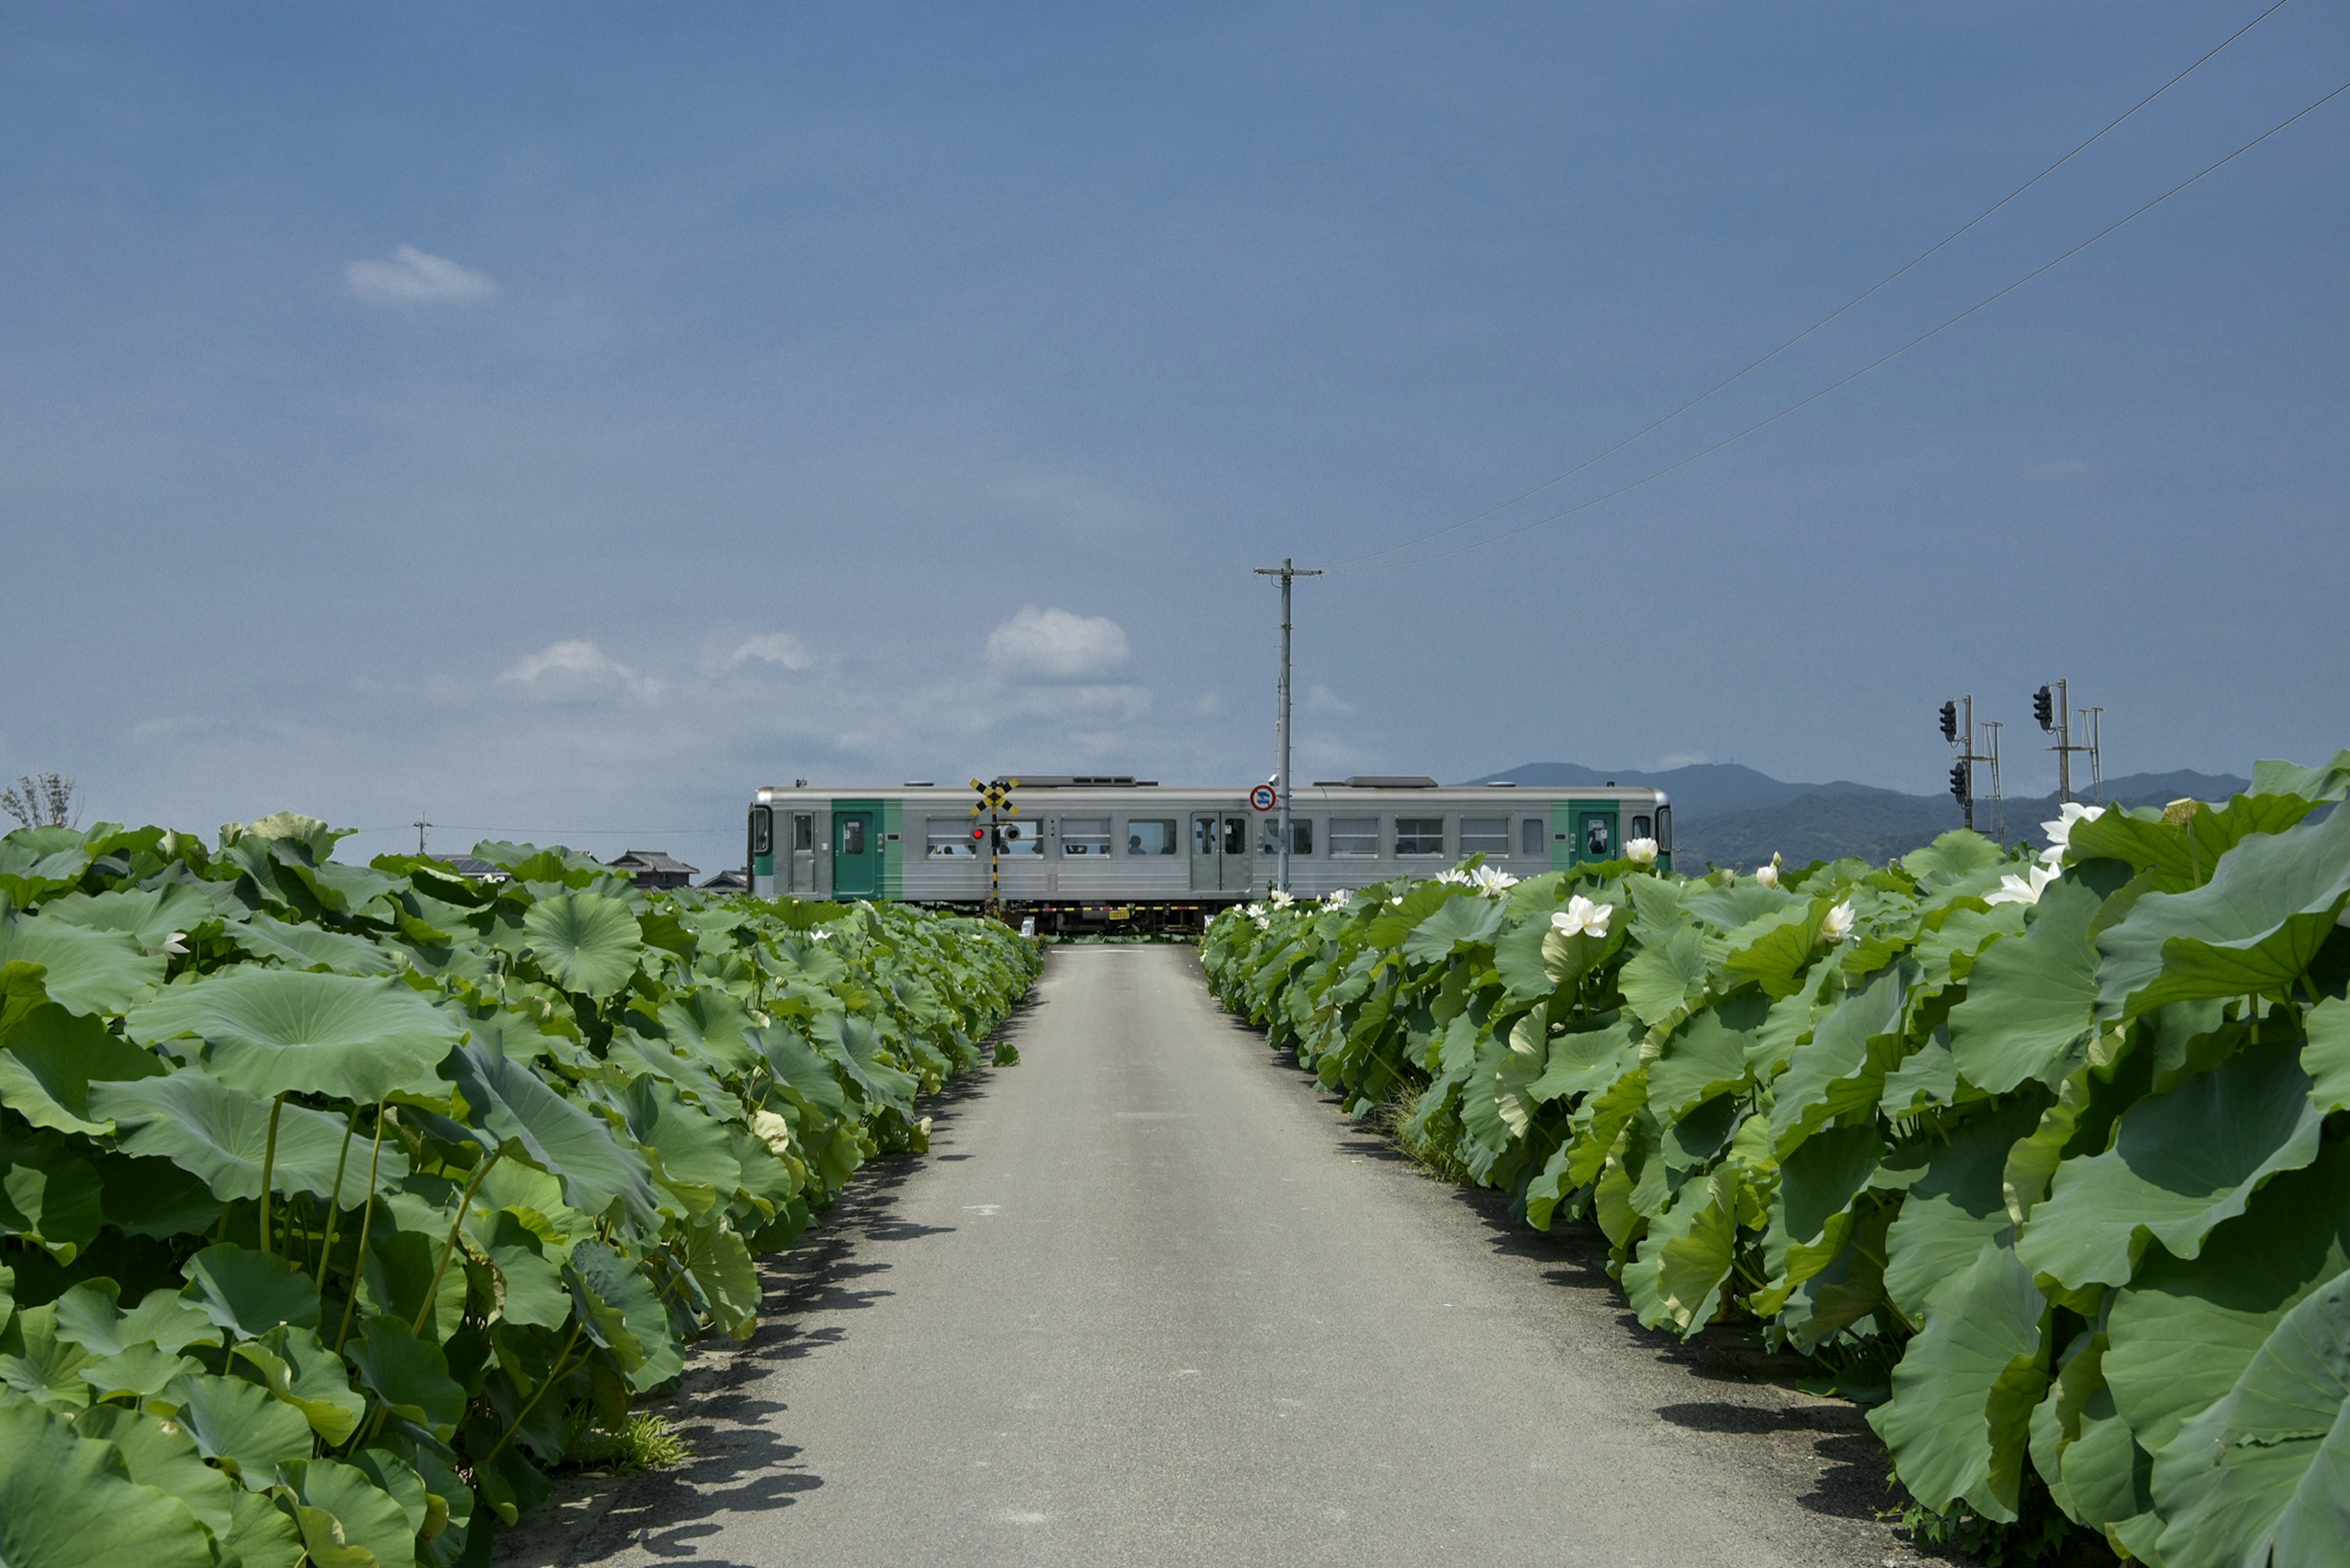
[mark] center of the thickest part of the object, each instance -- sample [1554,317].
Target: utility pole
[1286,571]
[1990,728]
[1958,730]
[2096,717]
[2052,706]
[420,824]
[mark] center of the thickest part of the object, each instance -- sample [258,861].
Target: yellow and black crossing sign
[995,796]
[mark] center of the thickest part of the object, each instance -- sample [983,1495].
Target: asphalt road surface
[1151,1300]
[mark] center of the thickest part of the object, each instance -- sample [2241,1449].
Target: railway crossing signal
[996,802]
[1958,730]
[1962,787]
[1950,722]
[2052,706]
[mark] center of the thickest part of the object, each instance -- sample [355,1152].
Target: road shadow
[725,1405]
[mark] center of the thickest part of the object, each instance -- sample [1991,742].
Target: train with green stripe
[1088,850]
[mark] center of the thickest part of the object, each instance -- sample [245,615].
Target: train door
[1236,870]
[1207,853]
[856,855]
[800,846]
[1596,836]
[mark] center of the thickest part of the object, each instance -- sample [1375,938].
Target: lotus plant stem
[335,1203]
[553,1372]
[449,1247]
[269,1164]
[366,1224]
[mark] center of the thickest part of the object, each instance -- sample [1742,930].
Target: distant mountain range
[1733,815]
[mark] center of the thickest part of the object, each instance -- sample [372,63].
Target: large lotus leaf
[1955,1205]
[1843,1069]
[1776,949]
[88,1315]
[529,863]
[1954,857]
[1957,935]
[401,1267]
[409,1375]
[2326,782]
[1963,1393]
[637,1055]
[2181,852]
[1703,1057]
[585,942]
[1729,909]
[2185,1328]
[1817,1184]
[1660,979]
[140,1372]
[41,1366]
[1464,921]
[343,1513]
[69,1502]
[2254,928]
[263,1536]
[2263,1476]
[150,917]
[34,860]
[57,1205]
[310,947]
[623,1315]
[1686,1257]
[1583,1060]
[857,1047]
[83,970]
[249,1293]
[2327,1057]
[720,1265]
[221,1134]
[2030,1004]
[155,1197]
[241,1427]
[158,1453]
[272,1030]
[516,1105]
[530,1287]
[713,1027]
[50,1057]
[294,1365]
[2181,1163]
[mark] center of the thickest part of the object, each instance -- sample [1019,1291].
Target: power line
[1930,251]
[1865,369]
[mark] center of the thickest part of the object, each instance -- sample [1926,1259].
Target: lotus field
[340,1201]
[2052,1151]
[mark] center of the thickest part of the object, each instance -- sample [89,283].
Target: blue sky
[562,418]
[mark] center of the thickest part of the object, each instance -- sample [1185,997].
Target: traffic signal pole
[1286,571]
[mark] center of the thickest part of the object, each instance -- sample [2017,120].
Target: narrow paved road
[1151,1300]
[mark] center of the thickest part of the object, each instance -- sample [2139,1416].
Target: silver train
[1112,850]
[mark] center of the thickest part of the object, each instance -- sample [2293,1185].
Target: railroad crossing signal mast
[996,802]
[1287,570]
[1963,771]
[2053,708]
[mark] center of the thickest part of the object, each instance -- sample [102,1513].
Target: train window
[1084,835]
[1150,836]
[1203,835]
[1665,829]
[804,830]
[1301,836]
[1534,834]
[762,830]
[949,838]
[1643,828]
[1023,838]
[1236,835]
[1484,836]
[1354,835]
[852,835]
[1419,836]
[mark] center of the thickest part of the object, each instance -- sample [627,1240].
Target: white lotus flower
[1837,926]
[1488,881]
[1281,897]
[1263,923]
[818,934]
[1768,875]
[1456,877]
[1641,851]
[1338,899]
[2069,816]
[173,946]
[1396,899]
[2024,890]
[1583,918]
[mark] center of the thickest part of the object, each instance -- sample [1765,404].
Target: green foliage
[2058,1155]
[337,1201]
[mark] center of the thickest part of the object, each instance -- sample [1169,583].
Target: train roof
[1321,791]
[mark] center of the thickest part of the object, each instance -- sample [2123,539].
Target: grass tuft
[643,1441]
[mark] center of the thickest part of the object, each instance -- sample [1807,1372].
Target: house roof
[470,865]
[729,880]
[651,860]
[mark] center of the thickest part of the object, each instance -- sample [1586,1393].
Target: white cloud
[414,278]
[1210,705]
[1680,760]
[574,668]
[1320,699]
[1077,507]
[1054,645]
[773,648]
